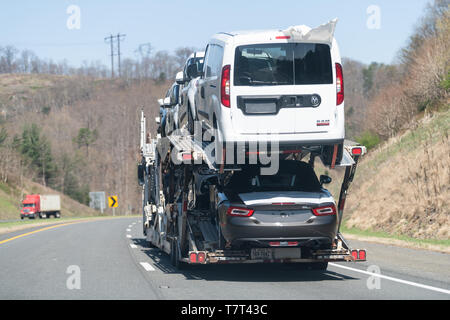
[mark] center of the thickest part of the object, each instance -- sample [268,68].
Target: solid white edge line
[147,266]
[423,286]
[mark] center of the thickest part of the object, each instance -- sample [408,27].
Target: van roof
[323,33]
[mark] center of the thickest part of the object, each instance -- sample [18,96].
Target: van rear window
[283,64]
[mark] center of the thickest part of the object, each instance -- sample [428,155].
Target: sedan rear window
[283,64]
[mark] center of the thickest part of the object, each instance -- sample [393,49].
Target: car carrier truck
[180,222]
[42,206]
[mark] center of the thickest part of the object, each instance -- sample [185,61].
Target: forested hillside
[75,134]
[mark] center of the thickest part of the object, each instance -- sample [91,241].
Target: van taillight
[225,86]
[329,210]
[339,84]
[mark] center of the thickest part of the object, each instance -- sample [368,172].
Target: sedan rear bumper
[321,230]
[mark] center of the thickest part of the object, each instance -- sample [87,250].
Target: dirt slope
[403,187]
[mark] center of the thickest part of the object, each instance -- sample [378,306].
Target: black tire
[179,265]
[172,253]
[21,218]
[58,215]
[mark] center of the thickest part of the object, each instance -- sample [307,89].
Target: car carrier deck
[173,224]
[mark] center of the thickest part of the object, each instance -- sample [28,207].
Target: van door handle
[202,92]
[212,85]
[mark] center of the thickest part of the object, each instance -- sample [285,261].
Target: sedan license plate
[275,253]
[261,253]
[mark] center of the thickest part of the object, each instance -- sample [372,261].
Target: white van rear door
[271,93]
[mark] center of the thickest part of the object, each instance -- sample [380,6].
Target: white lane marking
[128,235]
[147,266]
[423,286]
[128,230]
[133,246]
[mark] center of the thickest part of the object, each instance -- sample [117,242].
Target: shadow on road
[274,272]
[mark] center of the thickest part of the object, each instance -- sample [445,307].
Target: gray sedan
[288,209]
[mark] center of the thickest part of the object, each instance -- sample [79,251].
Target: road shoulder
[399,243]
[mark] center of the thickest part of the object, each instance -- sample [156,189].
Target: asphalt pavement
[109,259]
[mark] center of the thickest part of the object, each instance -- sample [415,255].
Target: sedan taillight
[239,212]
[329,210]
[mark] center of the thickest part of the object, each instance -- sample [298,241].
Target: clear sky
[167,24]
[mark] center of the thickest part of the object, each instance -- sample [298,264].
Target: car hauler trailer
[174,223]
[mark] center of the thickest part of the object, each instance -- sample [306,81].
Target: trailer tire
[58,215]
[175,257]
[172,253]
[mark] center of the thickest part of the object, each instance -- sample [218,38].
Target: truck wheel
[21,218]
[43,216]
[175,257]
[172,253]
[58,215]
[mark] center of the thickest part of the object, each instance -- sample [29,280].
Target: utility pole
[119,38]
[111,41]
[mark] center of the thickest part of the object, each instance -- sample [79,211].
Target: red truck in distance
[42,206]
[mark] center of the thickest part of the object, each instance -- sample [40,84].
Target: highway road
[108,259]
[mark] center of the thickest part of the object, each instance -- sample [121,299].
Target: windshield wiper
[258,82]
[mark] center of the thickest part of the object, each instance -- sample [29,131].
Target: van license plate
[261,108]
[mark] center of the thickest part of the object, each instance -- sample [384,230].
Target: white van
[283,85]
